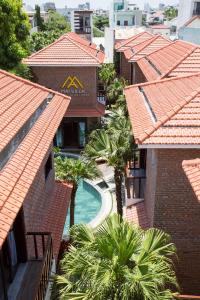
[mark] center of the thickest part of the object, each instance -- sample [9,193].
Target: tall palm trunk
[118,176]
[72,204]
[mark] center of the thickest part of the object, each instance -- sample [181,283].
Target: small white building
[124,13]
[82,23]
[187,9]
[190,32]
[160,29]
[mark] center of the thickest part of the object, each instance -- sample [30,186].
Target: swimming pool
[88,204]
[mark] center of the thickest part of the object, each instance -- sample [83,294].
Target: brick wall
[177,211]
[54,78]
[36,202]
[137,74]
[150,189]
[125,68]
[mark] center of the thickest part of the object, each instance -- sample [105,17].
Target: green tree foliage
[38,19]
[72,171]
[97,32]
[115,90]
[119,261]
[101,22]
[56,22]
[54,28]
[14,33]
[114,145]
[171,12]
[42,39]
[22,70]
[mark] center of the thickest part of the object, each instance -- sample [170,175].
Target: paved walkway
[135,213]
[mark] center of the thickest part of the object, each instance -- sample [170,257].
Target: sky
[96,3]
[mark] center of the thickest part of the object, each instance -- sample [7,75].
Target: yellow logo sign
[72,81]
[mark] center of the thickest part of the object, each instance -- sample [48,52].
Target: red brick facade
[41,188]
[125,68]
[172,206]
[55,77]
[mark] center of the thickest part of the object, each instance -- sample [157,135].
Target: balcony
[83,30]
[101,94]
[32,278]
[136,178]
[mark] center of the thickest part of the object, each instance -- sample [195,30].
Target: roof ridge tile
[149,41]
[81,47]
[133,38]
[160,81]
[179,62]
[33,84]
[168,116]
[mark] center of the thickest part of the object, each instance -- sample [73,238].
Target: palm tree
[119,261]
[113,147]
[72,171]
[107,74]
[115,90]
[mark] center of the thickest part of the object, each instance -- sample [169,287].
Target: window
[125,23]
[48,166]
[118,22]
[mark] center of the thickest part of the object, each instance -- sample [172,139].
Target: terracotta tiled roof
[177,58]
[133,41]
[68,50]
[19,100]
[54,218]
[136,214]
[97,111]
[165,111]
[145,48]
[192,170]
[160,26]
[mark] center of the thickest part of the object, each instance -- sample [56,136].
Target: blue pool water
[88,204]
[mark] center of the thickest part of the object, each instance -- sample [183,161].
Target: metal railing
[101,94]
[43,251]
[83,30]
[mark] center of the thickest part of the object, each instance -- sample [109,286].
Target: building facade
[70,66]
[187,9]
[165,127]
[82,22]
[124,13]
[132,50]
[33,206]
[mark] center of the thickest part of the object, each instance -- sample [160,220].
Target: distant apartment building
[49,6]
[190,31]
[31,15]
[85,6]
[125,13]
[165,121]
[33,206]
[101,12]
[160,29]
[187,9]
[82,22]
[70,66]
